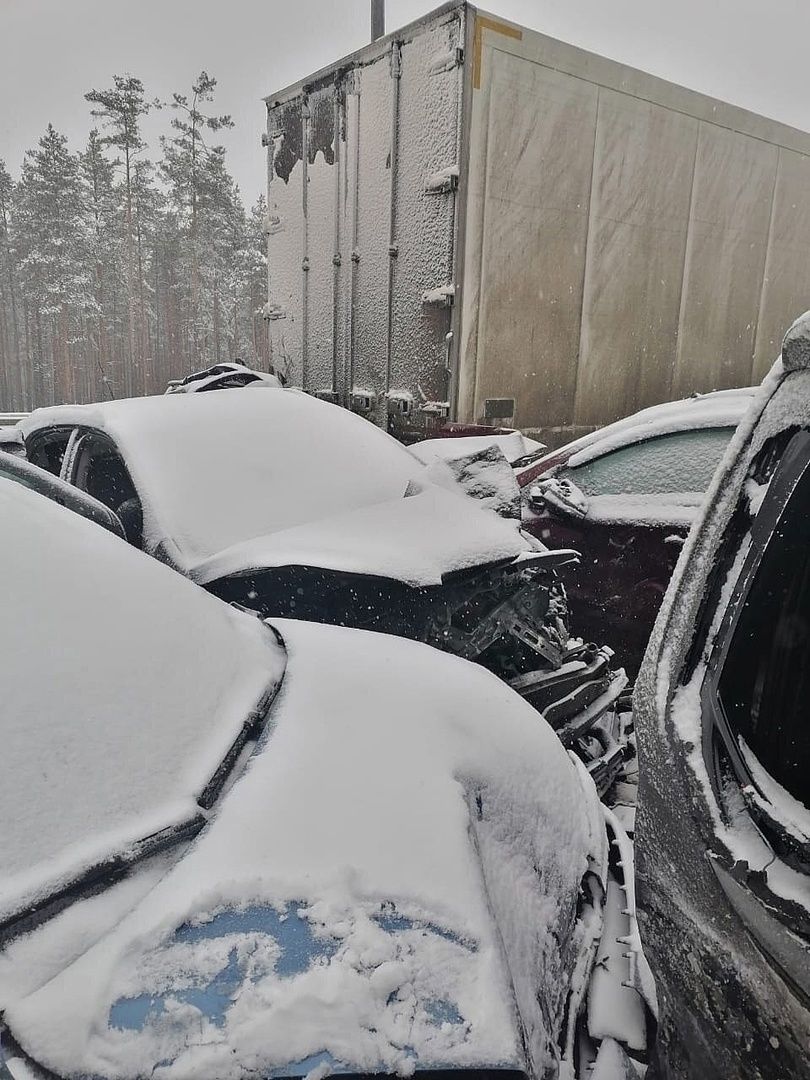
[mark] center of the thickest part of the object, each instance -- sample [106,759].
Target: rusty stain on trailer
[482,23]
[291,148]
[322,129]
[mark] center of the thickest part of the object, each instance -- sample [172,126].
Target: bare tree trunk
[28,374]
[130,373]
[216,321]
[145,368]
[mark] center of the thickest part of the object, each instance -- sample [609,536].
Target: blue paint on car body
[299,950]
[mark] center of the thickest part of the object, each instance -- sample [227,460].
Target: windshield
[125,688]
[682,461]
[213,470]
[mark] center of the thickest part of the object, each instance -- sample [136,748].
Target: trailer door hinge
[396,60]
[400,403]
[443,181]
[442,296]
[436,408]
[351,84]
[362,401]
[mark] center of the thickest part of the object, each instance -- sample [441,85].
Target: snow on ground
[339,907]
[123,687]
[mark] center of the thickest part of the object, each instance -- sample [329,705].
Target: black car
[722,710]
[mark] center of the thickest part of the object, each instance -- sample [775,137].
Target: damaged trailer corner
[471,221]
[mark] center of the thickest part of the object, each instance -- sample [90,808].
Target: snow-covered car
[11,441]
[295,507]
[721,706]
[229,375]
[230,849]
[625,497]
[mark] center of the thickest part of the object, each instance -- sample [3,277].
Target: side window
[683,461]
[101,472]
[47,449]
[764,684]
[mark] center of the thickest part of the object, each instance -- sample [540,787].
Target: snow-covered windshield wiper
[106,872]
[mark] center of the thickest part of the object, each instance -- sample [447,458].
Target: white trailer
[469,220]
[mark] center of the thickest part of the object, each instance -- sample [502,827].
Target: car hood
[124,690]
[416,540]
[390,884]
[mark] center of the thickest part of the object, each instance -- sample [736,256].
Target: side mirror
[559,497]
[130,515]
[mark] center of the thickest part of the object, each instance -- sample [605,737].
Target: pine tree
[112,282]
[200,190]
[120,109]
[51,238]
[104,250]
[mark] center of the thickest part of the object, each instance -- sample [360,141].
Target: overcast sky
[750,52]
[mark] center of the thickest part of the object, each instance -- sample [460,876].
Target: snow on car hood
[123,687]
[415,540]
[388,882]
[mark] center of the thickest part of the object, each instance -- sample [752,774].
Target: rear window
[681,462]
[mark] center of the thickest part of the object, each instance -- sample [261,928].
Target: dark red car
[624,497]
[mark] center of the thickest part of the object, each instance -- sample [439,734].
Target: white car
[294,507]
[236,849]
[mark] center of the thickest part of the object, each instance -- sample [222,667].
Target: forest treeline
[120,271]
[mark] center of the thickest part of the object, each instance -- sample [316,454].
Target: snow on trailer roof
[386,883]
[249,476]
[123,688]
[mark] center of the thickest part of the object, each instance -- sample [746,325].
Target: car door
[755,709]
[628,512]
[94,465]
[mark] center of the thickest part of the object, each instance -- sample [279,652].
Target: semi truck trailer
[469,221]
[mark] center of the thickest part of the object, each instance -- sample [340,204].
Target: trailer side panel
[628,240]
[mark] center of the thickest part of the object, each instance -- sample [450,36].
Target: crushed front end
[511,618]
